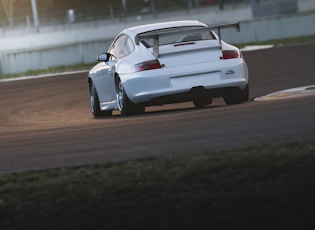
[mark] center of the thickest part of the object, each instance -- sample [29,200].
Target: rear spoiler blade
[155,34]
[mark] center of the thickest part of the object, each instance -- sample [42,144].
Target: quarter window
[122,47]
[128,47]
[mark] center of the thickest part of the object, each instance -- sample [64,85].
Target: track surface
[46,122]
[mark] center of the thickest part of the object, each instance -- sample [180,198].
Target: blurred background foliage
[19,12]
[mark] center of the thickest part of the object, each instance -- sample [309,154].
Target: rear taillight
[228,54]
[148,65]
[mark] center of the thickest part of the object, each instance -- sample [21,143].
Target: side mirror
[103,57]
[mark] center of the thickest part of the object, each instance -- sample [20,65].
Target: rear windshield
[166,39]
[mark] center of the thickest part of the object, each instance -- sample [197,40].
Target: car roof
[163,25]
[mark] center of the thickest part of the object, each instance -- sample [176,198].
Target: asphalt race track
[47,123]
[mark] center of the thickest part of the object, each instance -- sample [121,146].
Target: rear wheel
[95,105]
[201,97]
[236,96]
[126,107]
[201,102]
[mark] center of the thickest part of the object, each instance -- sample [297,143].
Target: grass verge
[266,187]
[277,42]
[84,66]
[51,70]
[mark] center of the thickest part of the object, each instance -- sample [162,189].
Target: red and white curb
[256,47]
[289,93]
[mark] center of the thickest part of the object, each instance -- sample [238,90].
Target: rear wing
[156,33]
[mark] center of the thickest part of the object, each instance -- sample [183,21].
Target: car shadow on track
[167,109]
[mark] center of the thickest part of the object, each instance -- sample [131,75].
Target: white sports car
[166,63]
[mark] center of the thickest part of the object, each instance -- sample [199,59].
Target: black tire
[236,96]
[202,101]
[95,105]
[126,107]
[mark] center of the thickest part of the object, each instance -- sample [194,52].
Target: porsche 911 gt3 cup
[166,63]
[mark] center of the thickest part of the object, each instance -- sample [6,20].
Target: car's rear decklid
[180,36]
[185,45]
[191,52]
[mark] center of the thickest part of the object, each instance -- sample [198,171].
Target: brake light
[228,54]
[148,65]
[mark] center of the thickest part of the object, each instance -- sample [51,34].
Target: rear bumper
[188,96]
[142,87]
